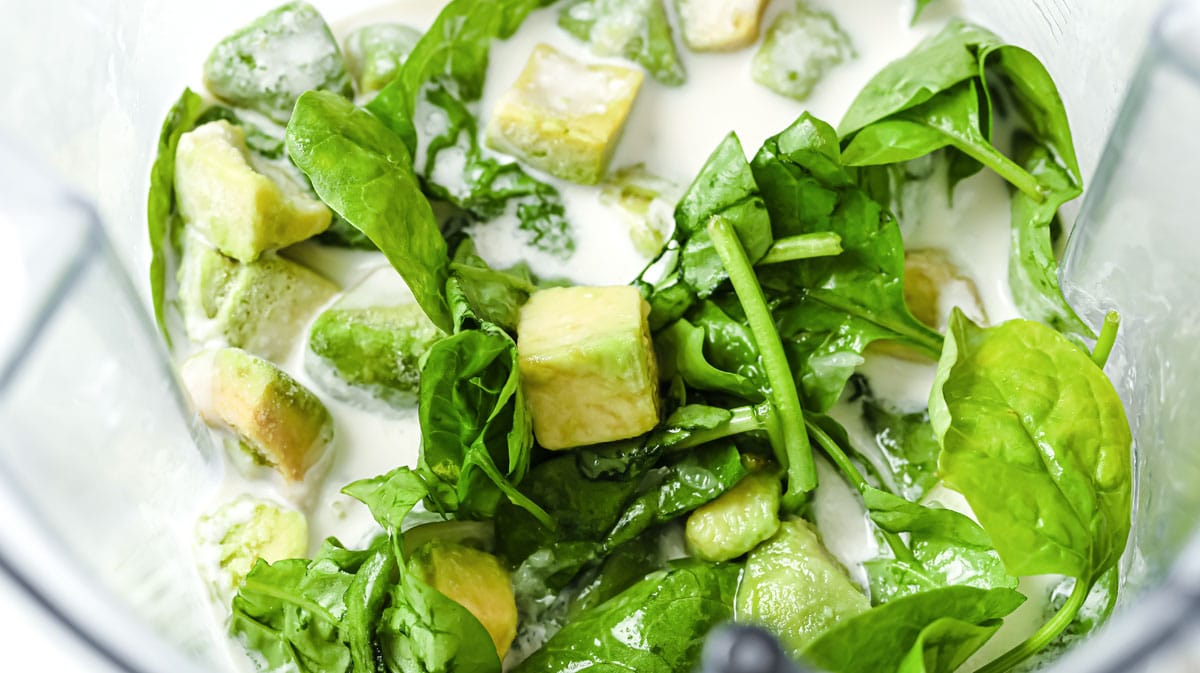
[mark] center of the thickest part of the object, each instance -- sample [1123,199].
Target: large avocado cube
[260,306]
[231,539]
[801,46]
[719,25]
[475,580]
[275,417]
[737,521]
[266,65]
[587,365]
[243,205]
[375,53]
[793,587]
[563,116]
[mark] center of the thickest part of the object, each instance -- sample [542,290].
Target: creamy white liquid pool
[671,131]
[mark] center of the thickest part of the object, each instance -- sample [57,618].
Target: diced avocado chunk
[737,521]
[240,532]
[564,117]
[259,306]
[646,203]
[587,365]
[266,65]
[636,29]
[475,580]
[281,421]
[801,46]
[719,25]
[930,278]
[242,205]
[793,587]
[375,53]
[377,349]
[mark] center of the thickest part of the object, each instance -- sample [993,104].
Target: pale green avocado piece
[719,25]
[801,46]
[374,53]
[737,521]
[260,306]
[793,587]
[266,65]
[377,349]
[241,204]
[281,421]
[475,580]
[247,529]
[563,116]
[587,365]
[647,204]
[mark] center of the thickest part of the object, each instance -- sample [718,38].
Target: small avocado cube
[793,587]
[719,25]
[231,539]
[801,46]
[587,365]
[266,65]
[933,287]
[275,417]
[243,205]
[564,117]
[475,580]
[647,204]
[260,306]
[375,53]
[737,521]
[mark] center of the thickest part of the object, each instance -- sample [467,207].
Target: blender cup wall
[97,455]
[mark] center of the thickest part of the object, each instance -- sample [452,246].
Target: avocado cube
[793,587]
[266,65]
[563,116]
[801,46]
[260,306]
[243,205]
[275,417]
[375,53]
[719,25]
[587,365]
[737,521]
[475,580]
[376,349]
[231,539]
[647,204]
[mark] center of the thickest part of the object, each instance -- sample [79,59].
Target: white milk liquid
[672,131]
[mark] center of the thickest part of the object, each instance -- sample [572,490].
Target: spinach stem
[1044,635]
[859,482]
[803,246]
[791,442]
[1107,339]
[743,419]
[1008,169]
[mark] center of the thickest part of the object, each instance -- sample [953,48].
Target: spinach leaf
[907,443]
[365,600]
[680,351]
[932,631]
[832,307]
[656,626]
[1032,265]
[268,64]
[427,106]
[921,5]
[681,487]
[947,547]
[493,295]
[1035,436]
[635,29]
[476,432]
[160,202]
[622,568]
[364,173]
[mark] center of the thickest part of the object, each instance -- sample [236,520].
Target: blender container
[99,458]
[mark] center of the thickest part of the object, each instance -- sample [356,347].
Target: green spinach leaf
[636,29]
[160,202]
[907,443]
[656,626]
[364,173]
[680,350]
[933,631]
